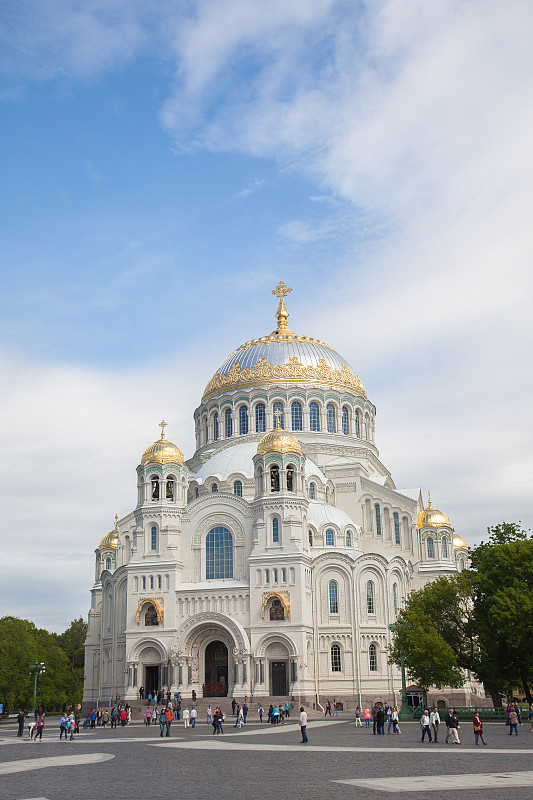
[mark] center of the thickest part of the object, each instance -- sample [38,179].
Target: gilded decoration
[283,597]
[459,543]
[162,451]
[111,538]
[149,601]
[293,371]
[432,517]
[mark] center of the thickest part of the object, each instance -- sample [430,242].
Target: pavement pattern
[341,761]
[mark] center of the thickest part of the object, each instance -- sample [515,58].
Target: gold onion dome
[111,538]
[459,543]
[162,452]
[432,517]
[284,358]
[278,441]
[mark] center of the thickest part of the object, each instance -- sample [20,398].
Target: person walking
[245,711]
[170,716]
[303,725]
[115,717]
[63,725]
[380,721]
[335,709]
[452,725]
[358,717]
[233,704]
[513,722]
[209,715]
[148,716]
[328,709]
[434,721]
[186,717]
[123,717]
[218,719]
[105,718]
[424,724]
[375,709]
[162,723]
[478,728]
[395,721]
[93,718]
[141,693]
[287,710]
[261,711]
[389,718]
[194,714]
[239,722]
[366,715]
[20,720]
[39,727]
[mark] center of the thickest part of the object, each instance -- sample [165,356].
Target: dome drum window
[260,418]
[154,484]
[218,554]
[237,488]
[330,538]
[243,420]
[170,489]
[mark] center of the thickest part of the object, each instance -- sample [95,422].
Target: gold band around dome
[293,371]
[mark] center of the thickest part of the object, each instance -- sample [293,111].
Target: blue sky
[166,164]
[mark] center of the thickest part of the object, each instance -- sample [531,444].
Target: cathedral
[273,561]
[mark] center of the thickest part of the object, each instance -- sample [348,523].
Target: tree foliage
[479,620]
[22,644]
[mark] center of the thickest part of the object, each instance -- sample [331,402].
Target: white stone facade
[298,599]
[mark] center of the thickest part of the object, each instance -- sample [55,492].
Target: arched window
[267,576]
[370,605]
[144,582]
[461,564]
[444,547]
[237,488]
[218,554]
[395,598]
[378,519]
[330,415]
[327,494]
[358,424]
[228,423]
[275,576]
[151,581]
[243,420]
[170,488]
[396,517]
[280,416]
[274,478]
[206,431]
[275,530]
[333,591]
[154,537]
[330,538]
[335,658]
[159,582]
[154,481]
[314,416]
[108,564]
[215,426]
[348,538]
[260,418]
[214,488]
[284,576]
[431,547]
[310,537]
[290,478]
[312,491]
[296,416]
[197,492]
[373,658]
[345,421]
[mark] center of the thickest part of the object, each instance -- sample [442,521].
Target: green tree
[503,569]
[72,642]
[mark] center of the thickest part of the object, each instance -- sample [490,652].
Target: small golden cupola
[432,517]
[459,543]
[111,538]
[162,451]
[278,440]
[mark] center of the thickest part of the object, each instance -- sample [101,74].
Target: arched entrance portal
[216,670]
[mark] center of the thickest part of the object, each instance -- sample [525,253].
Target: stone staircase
[138,707]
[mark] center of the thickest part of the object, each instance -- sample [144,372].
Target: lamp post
[36,669]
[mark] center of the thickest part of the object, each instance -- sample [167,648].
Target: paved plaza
[340,761]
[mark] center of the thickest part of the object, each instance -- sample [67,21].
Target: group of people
[101,717]
[329,706]
[381,714]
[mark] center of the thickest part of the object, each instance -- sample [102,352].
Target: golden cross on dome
[116,521]
[281,290]
[282,314]
[163,425]
[278,413]
[429,500]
